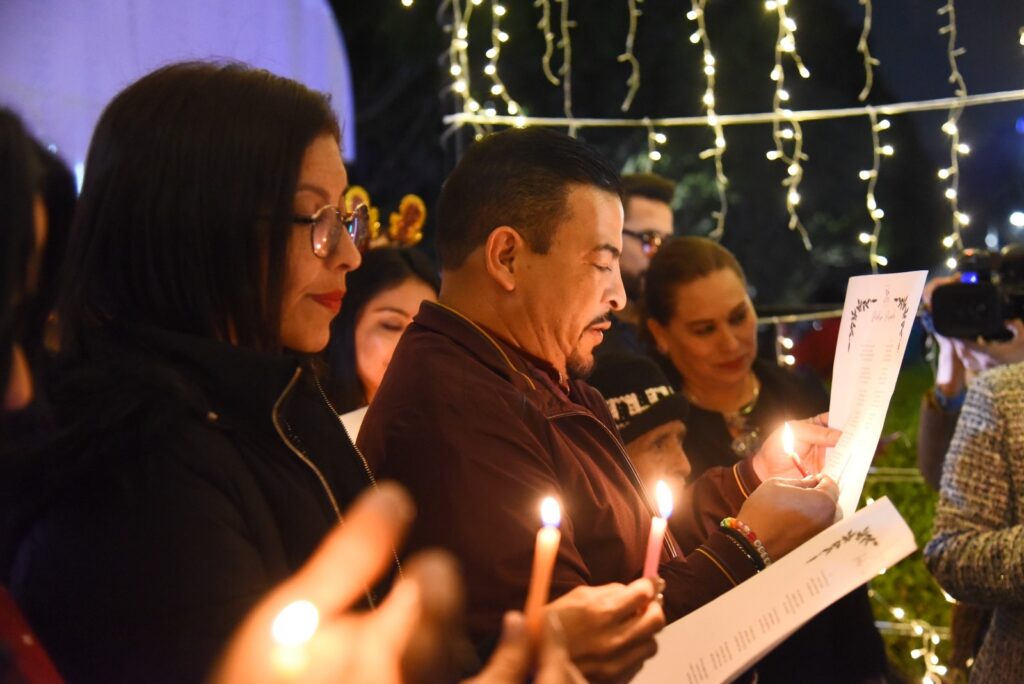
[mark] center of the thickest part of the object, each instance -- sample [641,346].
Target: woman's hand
[411,636]
[811,437]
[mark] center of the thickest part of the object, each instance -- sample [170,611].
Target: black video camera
[990,293]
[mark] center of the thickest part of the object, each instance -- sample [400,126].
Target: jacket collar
[537,378]
[218,376]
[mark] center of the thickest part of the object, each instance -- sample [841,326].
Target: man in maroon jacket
[480,416]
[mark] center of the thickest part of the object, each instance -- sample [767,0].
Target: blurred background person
[22,236]
[977,548]
[380,302]
[704,328]
[647,203]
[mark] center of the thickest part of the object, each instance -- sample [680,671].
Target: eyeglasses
[650,239]
[327,224]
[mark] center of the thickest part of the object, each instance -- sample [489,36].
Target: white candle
[787,446]
[658,524]
[544,554]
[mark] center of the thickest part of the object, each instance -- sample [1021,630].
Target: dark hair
[20,175]
[519,178]
[381,270]
[678,262]
[58,191]
[649,185]
[186,207]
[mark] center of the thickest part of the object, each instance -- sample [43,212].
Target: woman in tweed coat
[977,553]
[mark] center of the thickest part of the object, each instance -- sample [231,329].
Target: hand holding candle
[787,445]
[545,552]
[663,494]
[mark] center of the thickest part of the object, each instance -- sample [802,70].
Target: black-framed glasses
[650,240]
[328,223]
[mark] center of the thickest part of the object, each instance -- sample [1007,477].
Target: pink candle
[658,524]
[544,554]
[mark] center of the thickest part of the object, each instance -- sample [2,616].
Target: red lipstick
[331,300]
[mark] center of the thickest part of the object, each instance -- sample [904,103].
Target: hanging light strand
[633,82]
[951,174]
[549,40]
[565,71]
[654,138]
[786,130]
[914,628]
[493,54]
[716,153]
[875,212]
[870,62]
[458,59]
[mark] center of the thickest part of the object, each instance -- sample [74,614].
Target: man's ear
[501,256]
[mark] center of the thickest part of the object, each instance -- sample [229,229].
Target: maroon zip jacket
[480,432]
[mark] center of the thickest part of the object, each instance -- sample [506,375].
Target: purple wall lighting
[61,62]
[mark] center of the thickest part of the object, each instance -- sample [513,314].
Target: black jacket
[187,478]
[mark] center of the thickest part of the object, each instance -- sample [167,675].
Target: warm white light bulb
[948,241]
[866,175]
[655,155]
[951,263]
[793,169]
[888,150]
[865,238]
[462,33]
[460,86]
[884,124]
[944,174]
[709,98]
[793,197]
[787,133]
[695,37]
[773,155]
[804,71]
[962,218]
[881,261]
[406,3]
[490,69]
[963,148]
[709,59]
[950,193]
[499,10]
[513,108]
[1017,219]
[949,128]
[502,36]
[660,138]
[783,95]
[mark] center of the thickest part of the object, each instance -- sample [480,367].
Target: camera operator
[959,361]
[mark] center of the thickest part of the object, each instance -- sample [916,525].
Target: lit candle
[292,629]
[658,523]
[548,539]
[787,445]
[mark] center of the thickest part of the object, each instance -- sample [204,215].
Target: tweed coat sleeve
[977,552]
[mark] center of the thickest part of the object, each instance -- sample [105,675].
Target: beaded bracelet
[746,549]
[748,534]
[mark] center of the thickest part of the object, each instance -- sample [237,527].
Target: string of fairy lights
[787,132]
[696,14]
[951,174]
[555,25]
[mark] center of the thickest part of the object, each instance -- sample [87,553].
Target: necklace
[746,438]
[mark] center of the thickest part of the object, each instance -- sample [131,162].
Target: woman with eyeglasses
[704,328]
[196,462]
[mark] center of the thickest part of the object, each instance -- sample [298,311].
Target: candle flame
[663,493]
[295,624]
[787,439]
[550,512]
